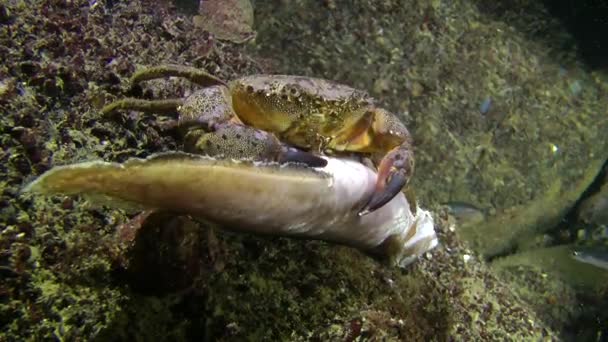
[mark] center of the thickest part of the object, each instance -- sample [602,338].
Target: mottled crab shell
[257,198]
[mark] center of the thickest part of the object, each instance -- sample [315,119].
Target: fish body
[465,213]
[597,257]
[258,198]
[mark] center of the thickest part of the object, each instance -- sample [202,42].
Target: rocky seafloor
[68,271]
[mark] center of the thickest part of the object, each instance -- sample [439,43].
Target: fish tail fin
[91,180]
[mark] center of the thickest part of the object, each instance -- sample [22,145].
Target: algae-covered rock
[501,118]
[226,19]
[73,272]
[560,289]
[61,62]
[593,210]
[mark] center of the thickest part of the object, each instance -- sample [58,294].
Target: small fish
[597,257]
[576,87]
[486,105]
[465,213]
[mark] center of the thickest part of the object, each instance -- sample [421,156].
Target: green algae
[435,64]
[515,228]
[560,289]
[331,291]
[558,262]
[57,269]
[524,160]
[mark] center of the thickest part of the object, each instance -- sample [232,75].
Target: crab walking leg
[215,130]
[192,74]
[258,198]
[211,129]
[240,142]
[168,106]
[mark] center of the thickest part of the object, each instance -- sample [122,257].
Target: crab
[285,118]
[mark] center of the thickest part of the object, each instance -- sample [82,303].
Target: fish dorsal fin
[164,157]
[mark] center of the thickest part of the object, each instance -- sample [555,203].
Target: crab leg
[240,142]
[159,106]
[215,130]
[211,129]
[194,75]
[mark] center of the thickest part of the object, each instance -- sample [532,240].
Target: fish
[595,256]
[256,198]
[465,213]
[485,105]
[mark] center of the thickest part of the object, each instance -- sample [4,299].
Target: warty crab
[263,117]
[266,198]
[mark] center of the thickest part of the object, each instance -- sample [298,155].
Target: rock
[226,19]
[525,162]
[67,288]
[560,289]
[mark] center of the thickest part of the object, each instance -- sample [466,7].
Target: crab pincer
[394,173]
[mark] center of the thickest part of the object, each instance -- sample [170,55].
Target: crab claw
[394,173]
